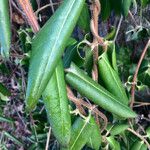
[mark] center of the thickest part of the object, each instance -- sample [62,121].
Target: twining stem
[136,73]
[118,28]
[30,16]
[139,136]
[95,11]
[93,108]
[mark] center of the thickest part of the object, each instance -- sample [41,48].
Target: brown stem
[89,106]
[136,73]
[77,102]
[95,7]
[30,16]
[140,136]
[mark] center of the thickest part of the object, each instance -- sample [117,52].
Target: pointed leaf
[95,139]
[108,73]
[48,47]
[118,128]
[5,33]
[106,9]
[84,19]
[126,6]
[80,133]
[113,143]
[138,145]
[69,54]
[56,104]
[4,90]
[96,93]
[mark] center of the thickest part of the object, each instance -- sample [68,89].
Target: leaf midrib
[55,45]
[100,90]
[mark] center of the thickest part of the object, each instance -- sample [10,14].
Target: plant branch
[136,73]
[87,105]
[95,11]
[44,7]
[140,136]
[30,16]
[48,138]
[118,28]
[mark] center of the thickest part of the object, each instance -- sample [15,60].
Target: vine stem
[140,136]
[48,138]
[80,102]
[136,73]
[95,11]
[45,6]
[30,16]
[118,28]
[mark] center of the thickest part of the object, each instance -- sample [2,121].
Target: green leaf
[116,6]
[56,104]
[95,139]
[138,145]
[107,72]
[113,143]
[84,19]
[5,33]
[4,93]
[144,3]
[4,119]
[4,90]
[111,34]
[118,128]
[48,47]
[126,6]
[14,139]
[144,77]
[96,93]
[148,132]
[106,9]
[25,39]
[69,54]
[81,131]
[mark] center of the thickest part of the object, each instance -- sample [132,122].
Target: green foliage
[48,47]
[56,104]
[5,33]
[118,129]
[139,145]
[95,139]
[145,2]
[56,58]
[96,93]
[81,130]
[113,143]
[108,72]
[84,19]
[120,7]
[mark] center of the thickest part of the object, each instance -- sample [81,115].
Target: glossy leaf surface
[48,47]
[107,72]
[5,33]
[126,6]
[96,93]
[56,104]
